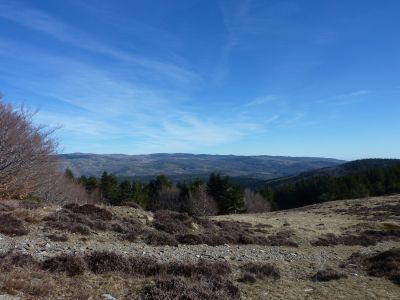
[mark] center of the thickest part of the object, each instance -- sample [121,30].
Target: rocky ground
[295,243]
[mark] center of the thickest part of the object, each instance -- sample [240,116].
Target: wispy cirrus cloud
[43,22]
[261,100]
[346,98]
[358,93]
[109,107]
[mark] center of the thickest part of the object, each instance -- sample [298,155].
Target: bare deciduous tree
[56,187]
[28,163]
[201,203]
[255,202]
[26,151]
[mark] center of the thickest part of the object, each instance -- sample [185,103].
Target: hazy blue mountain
[182,166]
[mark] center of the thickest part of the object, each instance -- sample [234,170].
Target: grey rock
[108,297]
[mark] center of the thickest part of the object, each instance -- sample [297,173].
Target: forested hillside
[359,179]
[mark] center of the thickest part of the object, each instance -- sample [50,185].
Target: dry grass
[365,238]
[34,283]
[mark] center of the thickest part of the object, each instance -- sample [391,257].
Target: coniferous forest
[221,195]
[357,184]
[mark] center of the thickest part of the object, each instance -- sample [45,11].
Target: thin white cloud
[144,117]
[77,125]
[358,93]
[40,21]
[345,99]
[261,100]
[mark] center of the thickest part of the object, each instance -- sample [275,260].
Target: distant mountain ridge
[181,165]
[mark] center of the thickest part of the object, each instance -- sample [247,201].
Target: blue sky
[299,78]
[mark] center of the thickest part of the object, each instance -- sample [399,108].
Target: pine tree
[69,174]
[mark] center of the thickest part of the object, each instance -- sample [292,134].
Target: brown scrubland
[344,249]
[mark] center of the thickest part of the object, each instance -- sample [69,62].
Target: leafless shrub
[261,271]
[282,238]
[55,187]
[241,233]
[214,239]
[158,238]
[385,264]
[172,222]
[144,266]
[80,228]
[79,219]
[261,225]
[202,268]
[84,218]
[58,237]
[328,274]
[201,288]
[70,264]
[126,227]
[12,259]
[10,225]
[226,232]
[356,259]
[207,238]
[100,262]
[131,236]
[95,212]
[247,278]
[205,223]
[191,239]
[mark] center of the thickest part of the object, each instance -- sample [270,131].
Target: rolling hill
[183,166]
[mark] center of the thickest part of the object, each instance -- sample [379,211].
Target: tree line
[218,195]
[357,184]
